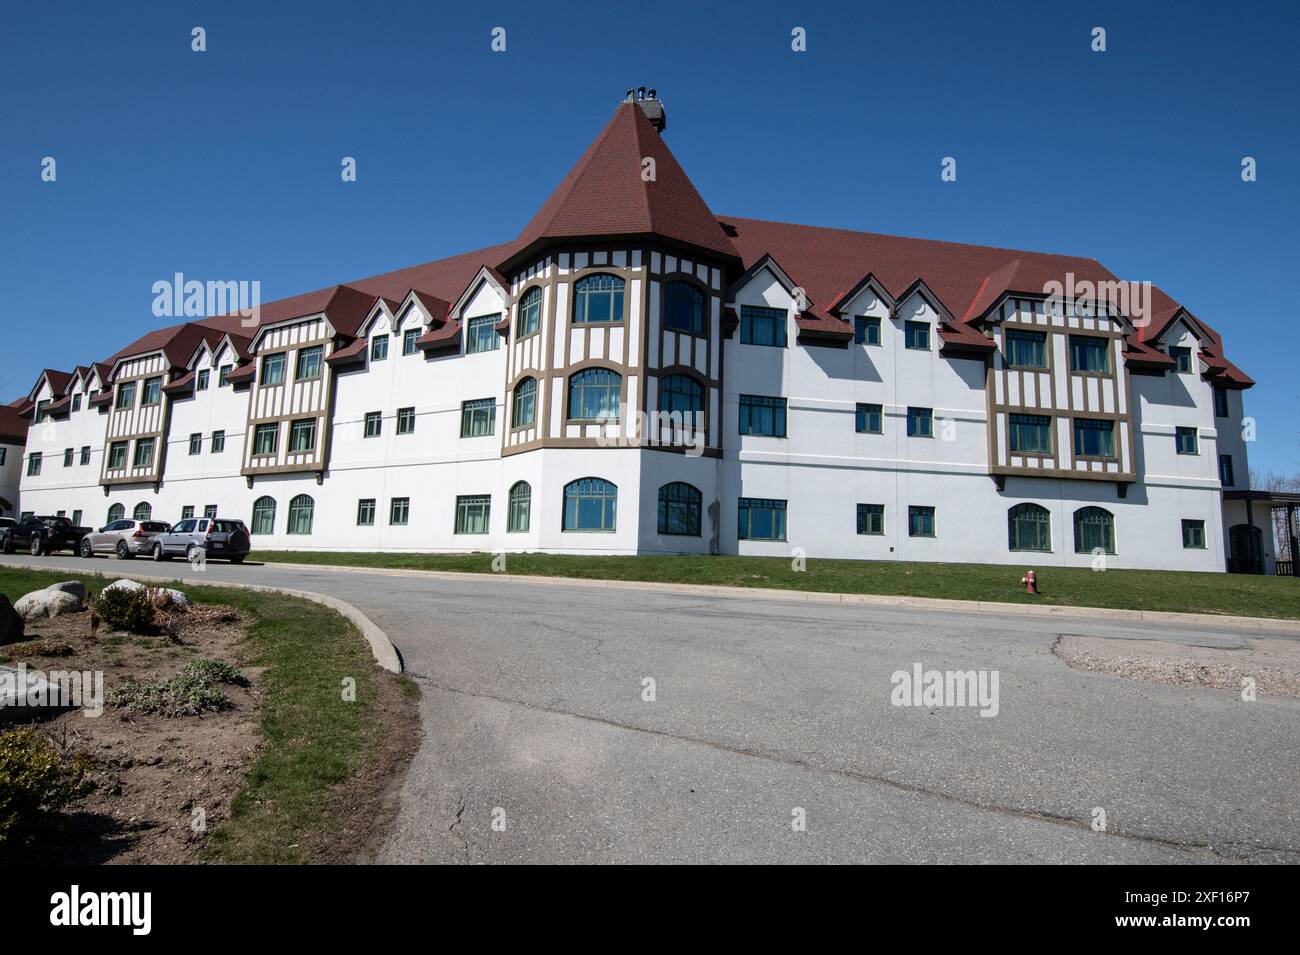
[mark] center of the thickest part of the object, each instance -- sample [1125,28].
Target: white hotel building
[856,396]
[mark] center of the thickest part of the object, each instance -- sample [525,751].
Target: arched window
[598,298]
[684,307]
[264,515]
[525,409]
[143,511]
[521,503]
[301,510]
[1094,528]
[679,509]
[590,504]
[681,393]
[594,394]
[1029,527]
[116,512]
[530,312]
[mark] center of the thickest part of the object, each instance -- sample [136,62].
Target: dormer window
[409,338]
[201,380]
[481,334]
[598,298]
[379,348]
[762,326]
[1182,359]
[309,362]
[76,402]
[918,335]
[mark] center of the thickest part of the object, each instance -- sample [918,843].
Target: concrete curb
[381,647]
[1169,618]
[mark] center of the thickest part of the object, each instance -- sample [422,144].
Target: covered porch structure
[1262,531]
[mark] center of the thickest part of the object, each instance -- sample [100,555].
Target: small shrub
[196,689]
[214,671]
[125,609]
[34,781]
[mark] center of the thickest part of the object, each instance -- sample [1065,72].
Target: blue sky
[225,165]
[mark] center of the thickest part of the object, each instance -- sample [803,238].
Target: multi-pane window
[1094,529]
[524,412]
[67,457]
[196,443]
[920,521]
[409,339]
[1029,527]
[917,335]
[309,362]
[590,504]
[209,510]
[866,330]
[1194,534]
[762,415]
[152,391]
[760,519]
[920,423]
[374,424]
[530,312]
[273,369]
[201,380]
[399,511]
[1025,349]
[871,519]
[1089,353]
[684,307]
[1030,434]
[683,394]
[143,457]
[143,511]
[1220,402]
[76,402]
[266,438]
[117,455]
[598,298]
[379,348]
[473,513]
[263,515]
[116,512]
[1186,441]
[518,513]
[223,376]
[1182,357]
[34,463]
[301,511]
[366,512]
[1094,438]
[481,334]
[85,455]
[762,326]
[870,419]
[594,395]
[43,406]
[302,435]
[187,512]
[125,396]
[478,418]
[218,442]
[406,420]
[76,518]
[1225,470]
[680,507]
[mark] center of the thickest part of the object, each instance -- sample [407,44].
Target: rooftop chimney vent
[650,104]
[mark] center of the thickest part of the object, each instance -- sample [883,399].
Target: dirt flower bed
[161,774]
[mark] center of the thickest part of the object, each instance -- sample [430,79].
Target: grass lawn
[312,740]
[1241,594]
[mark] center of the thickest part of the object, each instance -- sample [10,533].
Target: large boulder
[47,603]
[12,624]
[178,599]
[74,587]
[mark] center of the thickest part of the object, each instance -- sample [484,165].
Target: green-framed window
[763,416]
[1193,534]
[117,455]
[302,511]
[1089,353]
[263,515]
[379,348]
[524,413]
[594,395]
[870,419]
[760,519]
[1025,349]
[409,338]
[273,369]
[1029,527]
[152,391]
[481,334]
[473,513]
[1030,434]
[143,457]
[760,325]
[373,424]
[478,418]
[590,505]
[309,363]
[530,312]
[519,509]
[1094,529]
[683,394]
[266,439]
[399,511]
[1186,441]
[218,442]
[684,307]
[917,335]
[866,330]
[1094,437]
[125,397]
[1182,357]
[302,435]
[598,298]
[680,509]
[366,512]
[920,521]
[871,519]
[196,443]
[406,420]
[920,422]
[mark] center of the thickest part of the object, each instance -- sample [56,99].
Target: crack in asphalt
[856,776]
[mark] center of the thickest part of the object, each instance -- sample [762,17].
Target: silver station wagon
[207,537]
[124,538]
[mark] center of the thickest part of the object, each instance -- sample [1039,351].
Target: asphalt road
[541,746]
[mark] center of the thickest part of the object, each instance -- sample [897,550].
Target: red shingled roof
[605,194]
[14,422]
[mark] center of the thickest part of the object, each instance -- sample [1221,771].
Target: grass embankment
[1241,594]
[313,741]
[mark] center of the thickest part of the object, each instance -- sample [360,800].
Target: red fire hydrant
[1030,580]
